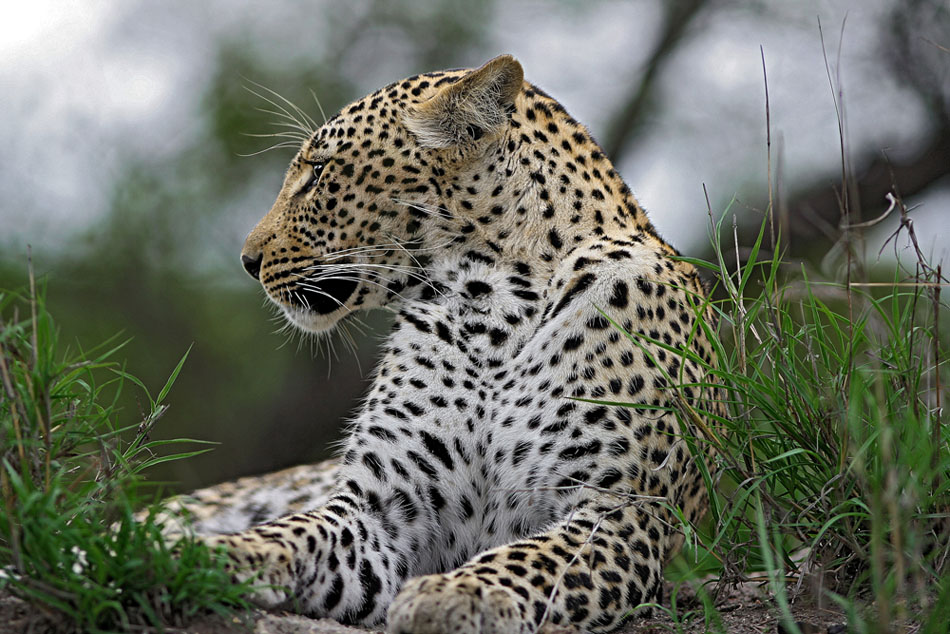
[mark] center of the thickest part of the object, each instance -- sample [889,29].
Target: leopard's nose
[252,264]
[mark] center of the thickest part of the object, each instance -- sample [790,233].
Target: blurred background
[125,160]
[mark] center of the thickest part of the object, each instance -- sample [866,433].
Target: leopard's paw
[436,604]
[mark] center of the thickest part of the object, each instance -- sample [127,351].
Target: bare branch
[629,118]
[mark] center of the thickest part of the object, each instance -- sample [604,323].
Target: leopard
[535,437]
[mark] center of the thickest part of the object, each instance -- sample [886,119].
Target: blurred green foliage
[268,404]
[162,265]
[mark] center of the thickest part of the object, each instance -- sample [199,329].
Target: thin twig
[932,43]
[937,427]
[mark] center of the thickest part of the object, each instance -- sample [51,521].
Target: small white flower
[8,574]
[81,562]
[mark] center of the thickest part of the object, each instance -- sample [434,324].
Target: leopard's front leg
[335,561]
[590,571]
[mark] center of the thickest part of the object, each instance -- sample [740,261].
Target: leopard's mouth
[323,296]
[315,297]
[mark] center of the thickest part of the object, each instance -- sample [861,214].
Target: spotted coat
[520,455]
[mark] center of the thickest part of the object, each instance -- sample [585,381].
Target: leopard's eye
[316,168]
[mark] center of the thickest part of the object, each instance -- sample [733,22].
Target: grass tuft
[832,450]
[70,479]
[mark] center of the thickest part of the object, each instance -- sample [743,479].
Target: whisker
[425,273]
[326,343]
[409,271]
[319,106]
[336,274]
[313,124]
[361,249]
[376,250]
[283,114]
[280,113]
[349,343]
[429,210]
[285,124]
[304,284]
[400,268]
[303,113]
[386,247]
[276,146]
[315,289]
[298,137]
[302,300]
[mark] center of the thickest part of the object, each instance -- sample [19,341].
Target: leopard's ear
[475,106]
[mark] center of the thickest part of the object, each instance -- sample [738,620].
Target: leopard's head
[365,193]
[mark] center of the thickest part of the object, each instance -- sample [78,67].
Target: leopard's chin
[317,306]
[312,322]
